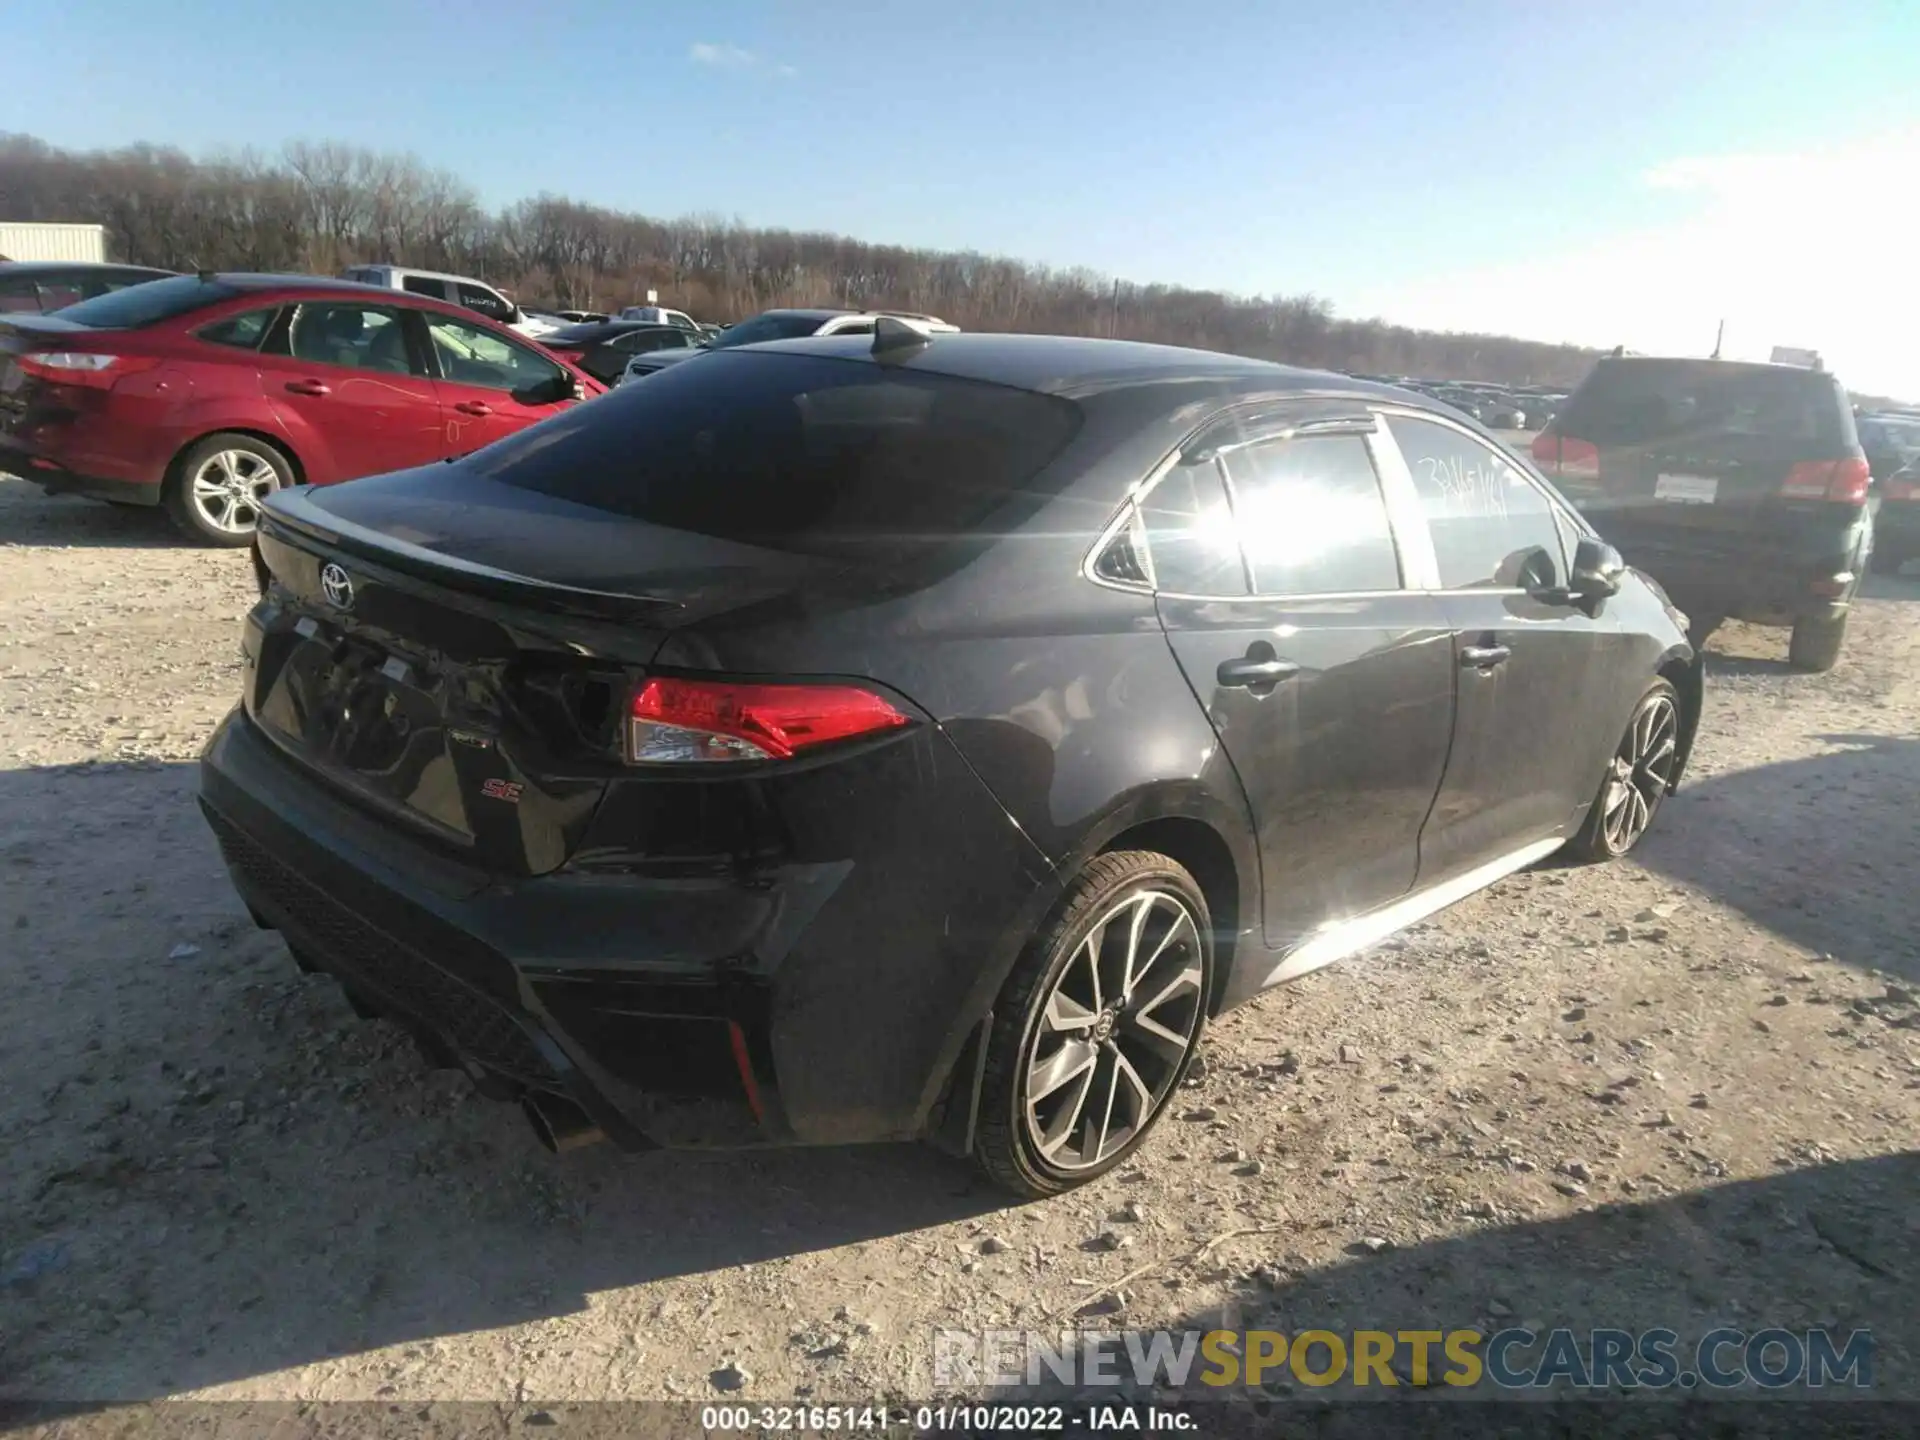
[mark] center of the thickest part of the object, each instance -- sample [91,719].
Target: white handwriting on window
[1457,486]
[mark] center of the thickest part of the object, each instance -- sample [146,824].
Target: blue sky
[1458,165]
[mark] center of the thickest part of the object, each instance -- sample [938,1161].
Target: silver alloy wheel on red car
[227,488]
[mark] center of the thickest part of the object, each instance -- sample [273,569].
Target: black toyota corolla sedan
[891,737]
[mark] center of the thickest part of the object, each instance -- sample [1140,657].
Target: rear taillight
[675,722]
[1563,455]
[1842,481]
[84,367]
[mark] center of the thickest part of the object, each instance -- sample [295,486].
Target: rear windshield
[1632,402]
[768,327]
[148,304]
[1889,436]
[796,453]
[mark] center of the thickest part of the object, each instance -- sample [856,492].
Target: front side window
[1492,527]
[1310,513]
[1191,542]
[360,337]
[474,355]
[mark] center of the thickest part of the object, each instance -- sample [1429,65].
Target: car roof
[44,267]
[426,274]
[1070,365]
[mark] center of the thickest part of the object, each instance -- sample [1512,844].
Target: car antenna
[896,340]
[207,277]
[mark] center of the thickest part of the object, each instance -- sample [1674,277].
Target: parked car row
[205,393]
[1500,407]
[788,325]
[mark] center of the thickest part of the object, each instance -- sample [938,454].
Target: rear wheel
[1096,1026]
[1637,779]
[219,485]
[1816,643]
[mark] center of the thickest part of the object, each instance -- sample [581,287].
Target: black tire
[1816,644]
[258,468]
[1888,562]
[1593,843]
[1005,1145]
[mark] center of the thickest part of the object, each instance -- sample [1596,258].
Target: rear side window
[796,453]
[17,295]
[1311,516]
[423,285]
[1643,402]
[1492,527]
[244,331]
[148,304]
[1190,536]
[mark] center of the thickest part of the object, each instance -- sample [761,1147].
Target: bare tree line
[320,206]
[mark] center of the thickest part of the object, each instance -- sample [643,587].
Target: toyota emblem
[337,586]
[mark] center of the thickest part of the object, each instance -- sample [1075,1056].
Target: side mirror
[1598,570]
[551,391]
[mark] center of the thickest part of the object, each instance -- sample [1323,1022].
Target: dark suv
[867,738]
[1741,487]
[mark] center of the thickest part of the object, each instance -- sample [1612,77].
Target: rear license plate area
[1678,489]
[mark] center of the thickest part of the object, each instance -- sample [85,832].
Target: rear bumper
[56,472]
[1763,581]
[805,1002]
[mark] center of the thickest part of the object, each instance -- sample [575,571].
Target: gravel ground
[1679,1091]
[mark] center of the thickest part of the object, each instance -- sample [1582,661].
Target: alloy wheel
[1641,772]
[228,488]
[1115,1032]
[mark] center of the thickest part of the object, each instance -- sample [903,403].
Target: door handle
[474,407]
[309,387]
[1243,674]
[1483,657]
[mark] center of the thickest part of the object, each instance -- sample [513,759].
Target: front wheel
[1096,1026]
[220,484]
[1816,644]
[1636,780]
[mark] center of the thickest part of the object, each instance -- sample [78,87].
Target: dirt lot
[1680,1091]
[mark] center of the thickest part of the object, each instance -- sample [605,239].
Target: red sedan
[207,393]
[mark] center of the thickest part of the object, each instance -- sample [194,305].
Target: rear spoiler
[32,323]
[463,576]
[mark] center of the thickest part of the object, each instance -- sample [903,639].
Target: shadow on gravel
[215,1171]
[1826,1245]
[1819,850]
[28,516]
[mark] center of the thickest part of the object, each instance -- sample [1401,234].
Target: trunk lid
[480,706]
